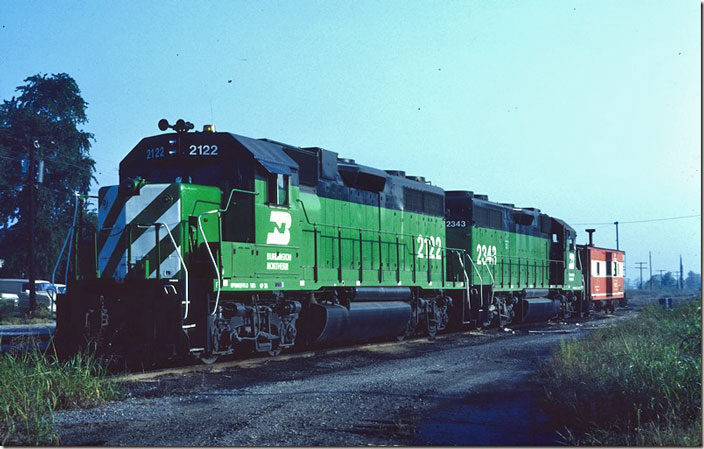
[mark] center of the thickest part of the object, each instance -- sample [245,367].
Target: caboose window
[278,189]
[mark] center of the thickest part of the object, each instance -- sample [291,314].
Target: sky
[587,110]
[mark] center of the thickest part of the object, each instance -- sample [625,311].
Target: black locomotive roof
[271,155]
[218,158]
[561,223]
[504,216]
[187,150]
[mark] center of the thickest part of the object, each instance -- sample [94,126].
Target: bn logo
[282,226]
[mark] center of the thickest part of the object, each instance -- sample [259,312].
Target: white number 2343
[486,255]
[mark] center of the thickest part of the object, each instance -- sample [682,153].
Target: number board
[159,152]
[202,150]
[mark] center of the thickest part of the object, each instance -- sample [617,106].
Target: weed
[34,384]
[636,383]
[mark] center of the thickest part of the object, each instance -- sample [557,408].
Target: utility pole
[30,182]
[641,267]
[650,266]
[616,223]
[661,275]
[681,274]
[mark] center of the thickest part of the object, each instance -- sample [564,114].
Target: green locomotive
[215,243]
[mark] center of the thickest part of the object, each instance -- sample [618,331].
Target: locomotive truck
[214,243]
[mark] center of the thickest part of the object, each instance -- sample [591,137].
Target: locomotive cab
[193,213]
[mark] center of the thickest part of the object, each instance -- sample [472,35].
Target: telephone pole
[681,274]
[641,267]
[616,223]
[661,275]
[30,182]
[650,266]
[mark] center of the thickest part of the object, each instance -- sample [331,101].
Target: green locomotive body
[523,262]
[215,243]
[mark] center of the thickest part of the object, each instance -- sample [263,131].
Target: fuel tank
[333,323]
[539,309]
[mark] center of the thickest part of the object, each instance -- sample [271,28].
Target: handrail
[481,281]
[183,264]
[69,234]
[178,253]
[212,258]
[466,280]
[305,213]
[207,246]
[493,283]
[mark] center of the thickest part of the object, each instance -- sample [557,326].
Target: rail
[359,231]
[350,227]
[207,246]
[178,253]
[466,282]
[69,238]
[493,283]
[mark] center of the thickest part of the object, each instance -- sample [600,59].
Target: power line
[50,159]
[638,221]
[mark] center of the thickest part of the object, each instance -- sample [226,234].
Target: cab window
[277,189]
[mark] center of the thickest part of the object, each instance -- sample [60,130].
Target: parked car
[8,304]
[17,290]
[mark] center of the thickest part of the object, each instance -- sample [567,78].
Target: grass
[33,385]
[638,383]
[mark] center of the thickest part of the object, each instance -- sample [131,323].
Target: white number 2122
[429,247]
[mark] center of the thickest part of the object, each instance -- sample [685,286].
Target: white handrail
[178,253]
[69,234]
[212,258]
[466,280]
[493,283]
[183,264]
[481,281]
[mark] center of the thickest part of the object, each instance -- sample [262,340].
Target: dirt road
[471,388]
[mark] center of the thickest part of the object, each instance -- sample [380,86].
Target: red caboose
[603,275]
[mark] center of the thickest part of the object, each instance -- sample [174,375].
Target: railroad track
[25,337]
[594,322]
[28,337]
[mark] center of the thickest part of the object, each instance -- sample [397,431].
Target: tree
[48,110]
[693,281]
[652,283]
[668,280]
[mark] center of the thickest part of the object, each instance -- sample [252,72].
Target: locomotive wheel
[275,348]
[208,359]
[408,331]
[587,307]
[432,329]
[431,321]
[432,326]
